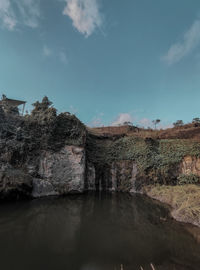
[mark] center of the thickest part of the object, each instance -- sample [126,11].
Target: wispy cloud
[121,118]
[19,12]
[47,51]
[54,54]
[84,14]
[97,120]
[145,122]
[29,11]
[63,57]
[179,50]
[7,15]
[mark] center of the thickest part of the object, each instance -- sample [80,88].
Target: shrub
[188,179]
[178,123]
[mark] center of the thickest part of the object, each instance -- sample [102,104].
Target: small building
[12,105]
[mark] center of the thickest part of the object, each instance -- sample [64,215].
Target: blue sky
[107,61]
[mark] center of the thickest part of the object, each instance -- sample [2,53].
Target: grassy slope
[188,131]
[184,200]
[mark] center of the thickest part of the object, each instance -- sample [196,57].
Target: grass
[187,131]
[184,200]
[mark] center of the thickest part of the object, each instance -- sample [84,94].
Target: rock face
[90,177]
[120,176]
[123,176]
[41,154]
[15,184]
[190,165]
[62,172]
[45,153]
[42,188]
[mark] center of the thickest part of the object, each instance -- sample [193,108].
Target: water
[94,232]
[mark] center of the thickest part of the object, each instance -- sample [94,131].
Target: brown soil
[189,131]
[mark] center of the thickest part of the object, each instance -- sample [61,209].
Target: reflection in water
[94,232]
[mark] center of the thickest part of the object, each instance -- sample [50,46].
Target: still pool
[94,232]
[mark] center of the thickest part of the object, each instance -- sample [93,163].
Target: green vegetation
[196,120]
[155,158]
[188,179]
[52,131]
[146,152]
[178,123]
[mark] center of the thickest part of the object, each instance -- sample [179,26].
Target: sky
[105,61]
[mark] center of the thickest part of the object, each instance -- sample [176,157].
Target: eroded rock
[90,177]
[43,188]
[123,176]
[120,176]
[15,184]
[190,165]
[64,170]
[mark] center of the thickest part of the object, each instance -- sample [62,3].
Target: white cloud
[16,12]
[165,126]
[29,12]
[179,50]
[85,15]
[145,122]
[122,117]
[7,15]
[96,122]
[47,51]
[60,55]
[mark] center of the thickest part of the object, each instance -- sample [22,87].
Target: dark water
[93,232]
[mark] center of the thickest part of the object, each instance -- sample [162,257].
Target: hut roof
[12,102]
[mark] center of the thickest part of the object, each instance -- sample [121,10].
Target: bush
[188,179]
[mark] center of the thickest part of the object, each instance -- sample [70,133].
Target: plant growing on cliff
[43,111]
[47,130]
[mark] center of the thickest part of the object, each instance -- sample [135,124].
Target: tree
[178,123]
[42,106]
[43,111]
[155,122]
[127,123]
[196,120]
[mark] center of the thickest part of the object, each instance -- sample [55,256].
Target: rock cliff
[41,154]
[128,163]
[45,153]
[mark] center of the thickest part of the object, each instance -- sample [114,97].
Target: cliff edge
[45,153]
